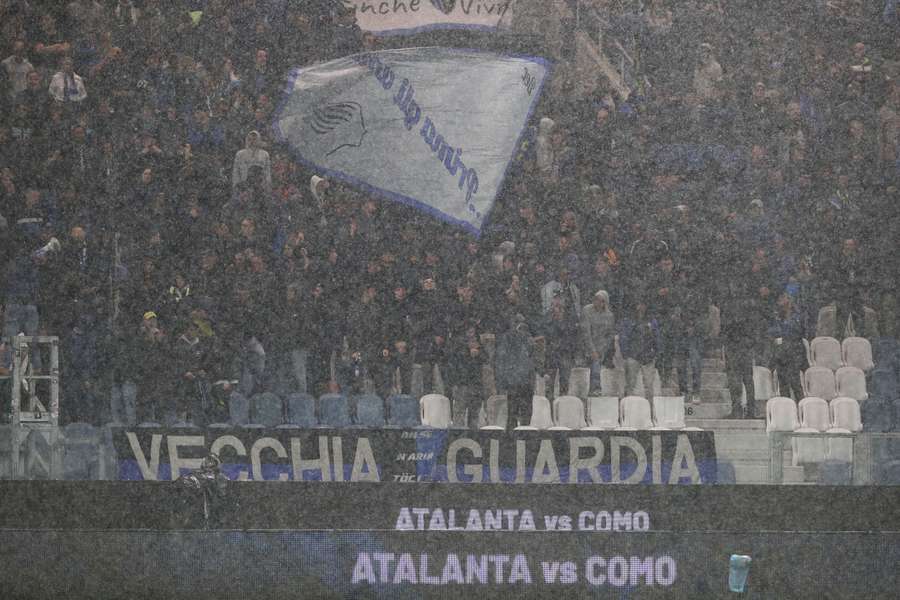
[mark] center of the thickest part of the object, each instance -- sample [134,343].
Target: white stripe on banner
[433,128]
[399,17]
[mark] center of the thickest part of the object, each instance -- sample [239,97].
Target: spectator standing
[465,362]
[252,156]
[640,343]
[740,334]
[67,86]
[514,371]
[17,69]
[598,330]
[788,351]
[560,329]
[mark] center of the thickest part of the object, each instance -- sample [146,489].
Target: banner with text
[433,128]
[399,17]
[405,456]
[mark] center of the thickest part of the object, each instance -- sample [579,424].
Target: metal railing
[861,452]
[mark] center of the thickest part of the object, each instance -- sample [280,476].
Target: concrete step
[708,410]
[752,473]
[727,426]
[713,364]
[743,445]
[713,379]
[715,395]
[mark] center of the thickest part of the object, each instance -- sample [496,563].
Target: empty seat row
[330,410]
[815,415]
[783,414]
[852,352]
[822,382]
[602,413]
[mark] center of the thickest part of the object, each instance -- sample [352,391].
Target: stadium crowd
[149,218]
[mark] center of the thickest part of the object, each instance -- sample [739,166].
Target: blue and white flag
[434,128]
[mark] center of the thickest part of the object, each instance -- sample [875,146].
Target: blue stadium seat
[725,473]
[172,419]
[334,411]
[238,409]
[403,411]
[369,411]
[894,415]
[876,416]
[301,411]
[886,352]
[834,472]
[81,456]
[122,410]
[266,410]
[6,441]
[884,385]
[38,456]
[888,473]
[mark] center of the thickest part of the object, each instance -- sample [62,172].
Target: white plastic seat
[541,413]
[579,382]
[435,411]
[846,418]
[814,413]
[668,411]
[568,413]
[636,414]
[781,414]
[819,382]
[612,382]
[603,412]
[815,417]
[857,352]
[496,411]
[807,449]
[763,385]
[839,448]
[851,383]
[825,352]
[845,414]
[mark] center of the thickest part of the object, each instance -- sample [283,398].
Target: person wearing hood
[598,331]
[251,156]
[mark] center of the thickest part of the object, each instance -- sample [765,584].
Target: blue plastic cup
[737,573]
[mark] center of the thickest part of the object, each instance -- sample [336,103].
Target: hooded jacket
[250,157]
[598,328]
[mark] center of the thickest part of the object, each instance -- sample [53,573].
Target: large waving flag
[434,128]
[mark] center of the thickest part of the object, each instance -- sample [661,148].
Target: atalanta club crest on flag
[433,128]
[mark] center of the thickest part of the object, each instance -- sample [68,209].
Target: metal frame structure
[24,379]
[32,414]
[862,454]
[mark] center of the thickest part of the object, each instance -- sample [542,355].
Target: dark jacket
[640,341]
[514,360]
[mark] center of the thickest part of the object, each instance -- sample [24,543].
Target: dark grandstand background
[752,166]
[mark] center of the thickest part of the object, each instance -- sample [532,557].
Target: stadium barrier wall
[377,540]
